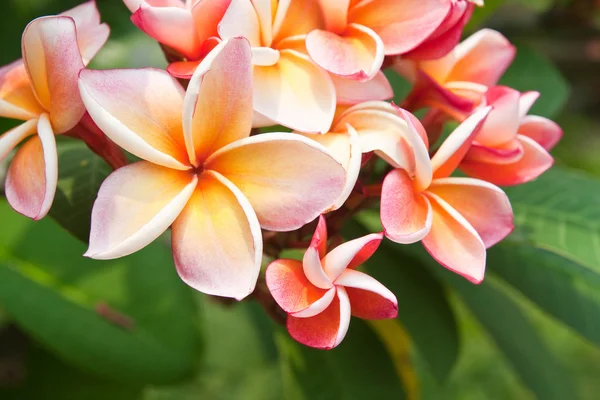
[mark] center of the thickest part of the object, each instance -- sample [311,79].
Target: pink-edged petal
[33,173]
[527,101]
[290,288]
[241,19]
[352,252]
[217,242]
[485,206]
[140,110]
[91,33]
[335,13]
[405,214]
[544,131]
[295,93]
[325,330]
[318,306]
[453,242]
[171,26]
[10,139]
[183,69]
[502,123]
[289,179]
[402,25]
[456,146]
[135,205]
[534,162]
[369,299]
[357,54]
[507,154]
[319,239]
[217,109]
[313,268]
[53,63]
[207,14]
[17,99]
[349,91]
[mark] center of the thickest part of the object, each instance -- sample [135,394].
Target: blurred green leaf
[483,13]
[359,368]
[130,319]
[532,71]
[422,306]
[400,85]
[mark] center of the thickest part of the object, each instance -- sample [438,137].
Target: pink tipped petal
[405,214]
[454,243]
[295,93]
[351,252]
[207,14]
[53,63]
[313,269]
[534,162]
[349,91]
[140,110]
[241,19]
[502,123]
[456,146]
[357,54]
[318,306]
[289,179]
[335,13]
[544,131]
[369,299]
[217,109]
[485,206]
[319,238]
[171,26]
[33,173]
[508,154]
[135,205]
[527,101]
[10,139]
[17,99]
[290,288]
[217,242]
[91,34]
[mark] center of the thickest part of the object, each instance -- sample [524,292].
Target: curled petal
[289,179]
[33,173]
[140,110]
[369,299]
[405,214]
[217,242]
[507,154]
[453,242]
[313,269]
[17,99]
[91,34]
[318,306]
[53,62]
[349,91]
[207,14]
[240,19]
[13,137]
[485,206]
[544,131]
[527,101]
[295,93]
[135,205]
[350,255]
[502,123]
[335,14]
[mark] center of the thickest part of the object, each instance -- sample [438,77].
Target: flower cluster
[234,197]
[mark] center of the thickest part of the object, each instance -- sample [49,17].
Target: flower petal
[335,14]
[183,69]
[135,205]
[140,110]
[295,93]
[544,131]
[217,109]
[207,14]
[369,299]
[10,139]
[318,306]
[534,162]
[349,91]
[502,123]
[217,242]
[290,288]
[453,242]
[357,54]
[288,179]
[53,63]
[313,269]
[527,101]
[325,330]
[350,255]
[91,34]
[296,17]
[241,19]
[456,146]
[405,214]
[509,153]
[485,206]
[17,99]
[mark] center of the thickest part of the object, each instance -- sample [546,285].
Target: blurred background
[193,348]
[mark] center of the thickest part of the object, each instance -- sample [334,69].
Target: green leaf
[81,173]
[533,71]
[359,368]
[481,14]
[130,319]
[422,306]
[400,85]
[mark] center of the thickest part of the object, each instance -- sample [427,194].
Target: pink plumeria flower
[202,173]
[457,83]
[41,89]
[512,147]
[188,27]
[455,218]
[322,291]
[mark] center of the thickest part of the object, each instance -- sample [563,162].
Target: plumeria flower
[201,172]
[455,218]
[41,89]
[188,27]
[512,147]
[322,291]
[458,82]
